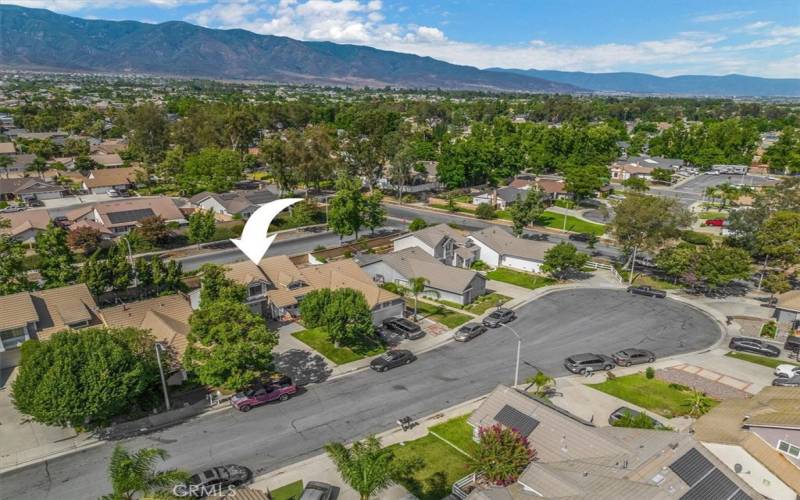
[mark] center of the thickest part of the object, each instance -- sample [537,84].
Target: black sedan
[755,346]
[787,382]
[216,481]
[631,356]
[582,237]
[404,327]
[647,291]
[468,332]
[499,316]
[392,359]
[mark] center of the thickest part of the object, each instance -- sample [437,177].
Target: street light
[161,371]
[519,349]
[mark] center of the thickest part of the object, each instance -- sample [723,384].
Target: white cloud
[723,16]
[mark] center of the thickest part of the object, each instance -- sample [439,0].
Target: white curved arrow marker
[254,241]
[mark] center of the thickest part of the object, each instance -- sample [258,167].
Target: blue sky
[756,37]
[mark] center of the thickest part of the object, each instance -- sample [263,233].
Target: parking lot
[698,184]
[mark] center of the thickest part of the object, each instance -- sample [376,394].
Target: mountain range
[693,85]
[38,39]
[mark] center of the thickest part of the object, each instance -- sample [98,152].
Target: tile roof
[27,219]
[107,177]
[107,159]
[504,243]
[120,212]
[413,262]
[7,148]
[433,235]
[167,318]
[54,309]
[26,185]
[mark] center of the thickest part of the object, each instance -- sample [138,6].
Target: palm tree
[38,165]
[541,382]
[367,467]
[698,403]
[5,163]
[133,475]
[417,286]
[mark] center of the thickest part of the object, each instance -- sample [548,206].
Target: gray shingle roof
[504,243]
[414,263]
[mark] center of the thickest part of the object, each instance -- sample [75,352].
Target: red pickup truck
[715,222]
[279,389]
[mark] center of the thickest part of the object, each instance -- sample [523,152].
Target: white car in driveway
[787,371]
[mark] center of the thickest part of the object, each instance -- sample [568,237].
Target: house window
[79,324]
[789,449]
[254,290]
[12,336]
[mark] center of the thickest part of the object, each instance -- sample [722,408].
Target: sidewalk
[320,467]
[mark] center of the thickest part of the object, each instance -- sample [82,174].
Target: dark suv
[582,363]
[792,343]
[756,346]
[498,317]
[404,327]
[647,291]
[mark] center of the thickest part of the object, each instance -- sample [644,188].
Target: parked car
[792,343]
[469,332]
[631,356]
[274,390]
[622,410]
[392,359]
[787,370]
[787,382]
[113,193]
[33,202]
[583,237]
[582,363]
[715,222]
[215,481]
[647,291]
[499,316]
[756,346]
[316,490]
[404,327]
[12,208]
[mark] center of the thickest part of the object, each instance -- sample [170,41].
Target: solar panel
[515,419]
[130,215]
[740,495]
[714,486]
[691,467]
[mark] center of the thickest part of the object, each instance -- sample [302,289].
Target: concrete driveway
[341,409]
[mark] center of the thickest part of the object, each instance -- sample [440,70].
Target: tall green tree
[563,259]
[229,345]
[134,475]
[202,226]
[417,285]
[367,467]
[153,230]
[85,377]
[211,169]
[346,208]
[96,275]
[347,318]
[374,213]
[13,277]
[636,184]
[526,211]
[214,285]
[149,132]
[5,164]
[56,260]
[779,238]
[583,182]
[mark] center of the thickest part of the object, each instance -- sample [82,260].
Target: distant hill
[694,85]
[40,39]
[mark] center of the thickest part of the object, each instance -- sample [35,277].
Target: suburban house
[166,318]
[276,286]
[499,248]
[37,315]
[103,180]
[787,311]
[642,166]
[120,216]
[29,188]
[575,459]
[461,286]
[236,203]
[20,165]
[111,146]
[441,241]
[25,225]
[109,160]
[759,438]
[500,198]
[7,149]
[422,180]
[554,188]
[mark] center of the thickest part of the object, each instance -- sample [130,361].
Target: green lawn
[486,302]
[444,465]
[711,214]
[438,313]
[556,221]
[291,491]
[457,431]
[759,360]
[317,339]
[519,278]
[653,394]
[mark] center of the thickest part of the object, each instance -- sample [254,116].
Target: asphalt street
[350,407]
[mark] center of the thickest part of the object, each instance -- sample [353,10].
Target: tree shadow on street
[302,366]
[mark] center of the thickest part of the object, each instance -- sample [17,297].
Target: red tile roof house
[120,216]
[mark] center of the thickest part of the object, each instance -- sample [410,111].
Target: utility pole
[161,372]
